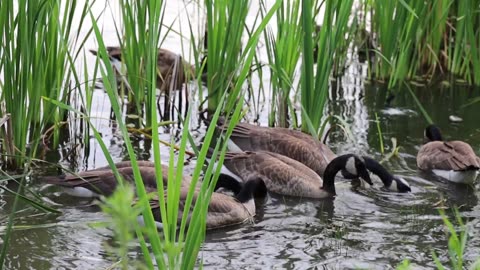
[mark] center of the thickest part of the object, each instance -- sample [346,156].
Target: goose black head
[228,182]
[362,170]
[350,163]
[390,181]
[253,188]
[432,133]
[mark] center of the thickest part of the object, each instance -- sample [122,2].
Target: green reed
[224,27]
[36,60]
[315,85]
[177,246]
[283,49]
[139,39]
[426,38]
[457,242]
[171,250]
[37,50]
[228,62]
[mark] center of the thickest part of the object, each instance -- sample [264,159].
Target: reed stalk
[37,50]
[283,49]
[315,85]
[139,37]
[418,38]
[225,28]
[35,61]
[176,247]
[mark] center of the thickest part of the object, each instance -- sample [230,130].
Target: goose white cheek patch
[350,166]
[403,181]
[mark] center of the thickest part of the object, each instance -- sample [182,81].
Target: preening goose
[223,210]
[287,176]
[453,160]
[172,71]
[303,148]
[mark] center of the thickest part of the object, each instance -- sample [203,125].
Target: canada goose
[223,210]
[301,147]
[453,160]
[287,176]
[102,181]
[292,143]
[171,68]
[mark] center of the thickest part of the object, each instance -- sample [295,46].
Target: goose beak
[402,185]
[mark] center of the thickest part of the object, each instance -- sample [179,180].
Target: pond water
[366,228]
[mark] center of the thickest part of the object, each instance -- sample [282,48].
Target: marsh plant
[457,242]
[315,78]
[177,246]
[38,48]
[425,38]
[283,49]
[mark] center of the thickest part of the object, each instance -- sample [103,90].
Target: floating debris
[455,119]
[398,111]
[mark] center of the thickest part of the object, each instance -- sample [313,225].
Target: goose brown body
[454,160]
[291,143]
[302,148]
[223,210]
[281,174]
[453,155]
[102,181]
[172,72]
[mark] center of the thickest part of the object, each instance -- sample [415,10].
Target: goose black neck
[376,168]
[228,182]
[252,188]
[331,171]
[433,133]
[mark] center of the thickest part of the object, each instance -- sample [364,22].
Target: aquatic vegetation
[40,47]
[425,38]
[283,49]
[37,54]
[314,86]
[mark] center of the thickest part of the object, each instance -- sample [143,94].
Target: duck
[303,148]
[454,161]
[172,71]
[223,210]
[286,176]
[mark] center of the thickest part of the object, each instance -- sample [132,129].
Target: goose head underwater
[223,210]
[390,182]
[286,176]
[454,161]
